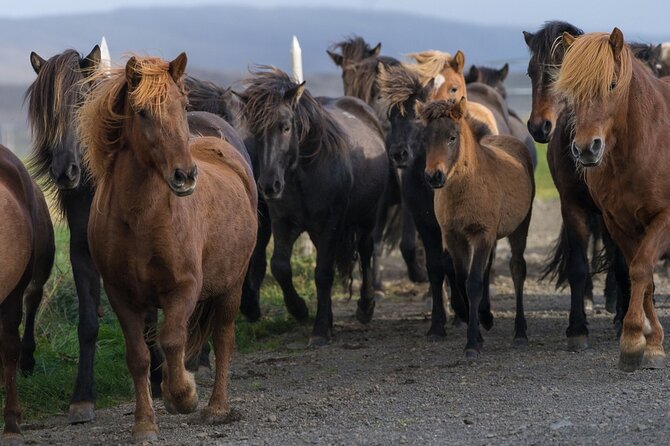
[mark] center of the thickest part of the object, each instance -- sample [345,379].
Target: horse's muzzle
[183,182]
[592,155]
[436,179]
[541,132]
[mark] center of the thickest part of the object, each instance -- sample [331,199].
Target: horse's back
[203,123]
[491,99]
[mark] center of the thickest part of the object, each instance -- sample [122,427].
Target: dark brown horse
[27,236]
[473,214]
[323,170]
[549,122]
[621,139]
[186,248]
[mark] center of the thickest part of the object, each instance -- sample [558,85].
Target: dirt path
[385,384]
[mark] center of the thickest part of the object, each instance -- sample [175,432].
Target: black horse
[549,122]
[322,169]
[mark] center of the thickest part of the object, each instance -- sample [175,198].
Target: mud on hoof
[210,415]
[578,343]
[486,320]
[629,362]
[81,412]
[145,431]
[364,315]
[520,342]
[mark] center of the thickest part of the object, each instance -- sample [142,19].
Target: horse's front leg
[474,286]
[324,274]
[250,305]
[285,236]
[366,303]
[10,345]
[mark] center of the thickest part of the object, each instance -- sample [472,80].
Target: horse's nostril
[193,173]
[546,127]
[575,150]
[596,146]
[276,185]
[179,176]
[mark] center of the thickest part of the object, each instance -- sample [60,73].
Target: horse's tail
[345,257]
[200,327]
[557,265]
[393,229]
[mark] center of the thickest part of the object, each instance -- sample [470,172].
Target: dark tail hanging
[557,265]
[200,328]
[345,257]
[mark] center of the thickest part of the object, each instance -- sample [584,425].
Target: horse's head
[444,121]
[272,109]
[660,59]
[595,79]
[489,76]
[401,89]
[156,124]
[52,98]
[450,83]
[351,50]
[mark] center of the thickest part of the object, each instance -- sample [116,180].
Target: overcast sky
[651,17]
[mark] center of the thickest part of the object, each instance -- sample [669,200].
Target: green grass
[543,183]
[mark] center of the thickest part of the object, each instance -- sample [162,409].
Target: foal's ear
[567,40]
[293,95]
[458,61]
[460,109]
[376,50]
[178,67]
[503,72]
[473,74]
[36,61]
[528,37]
[616,41]
[89,63]
[133,75]
[337,58]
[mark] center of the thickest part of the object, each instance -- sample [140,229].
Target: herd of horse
[172,188]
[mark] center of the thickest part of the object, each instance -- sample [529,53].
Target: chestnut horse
[27,237]
[473,214]
[549,123]
[183,248]
[621,137]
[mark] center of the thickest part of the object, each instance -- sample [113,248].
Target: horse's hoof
[578,343]
[486,320]
[457,322]
[27,365]
[653,361]
[471,354]
[520,343]
[364,316]
[299,311]
[251,313]
[186,404]
[318,341]
[629,362]
[417,274]
[12,440]
[81,412]
[210,415]
[145,431]
[437,336]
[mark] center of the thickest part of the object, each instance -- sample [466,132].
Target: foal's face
[160,135]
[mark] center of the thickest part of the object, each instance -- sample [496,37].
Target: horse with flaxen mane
[183,210]
[27,237]
[323,170]
[621,134]
[549,122]
[474,214]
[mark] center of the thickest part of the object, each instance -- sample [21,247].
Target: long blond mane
[429,64]
[101,118]
[589,69]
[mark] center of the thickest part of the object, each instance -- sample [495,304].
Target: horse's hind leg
[32,299]
[10,344]
[285,236]
[485,315]
[474,285]
[151,339]
[517,265]
[366,303]
[408,247]
[623,289]
[432,243]
[250,305]
[218,410]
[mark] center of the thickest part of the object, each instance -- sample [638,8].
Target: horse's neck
[467,159]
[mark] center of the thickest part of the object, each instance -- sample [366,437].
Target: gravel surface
[385,384]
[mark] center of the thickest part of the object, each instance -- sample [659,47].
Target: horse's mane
[101,118]
[353,48]
[546,42]
[365,76]
[264,95]
[208,97]
[52,99]
[439,109]
[429,64]
[397,85]
[589,69]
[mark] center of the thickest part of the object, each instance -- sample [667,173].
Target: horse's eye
[452,138]
[286,129]
[612,86]
[143,114]
[453,90]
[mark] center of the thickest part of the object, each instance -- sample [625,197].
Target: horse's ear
[616,41]
[36,61]
[473,74]
[419,106]
[381,69]
[459,110]
[241,96]
[294,94]
[503,72]
[567,40]
[528,37]
[376,50]
[657,51]
[458,61]
[89,63]
[337,58]
[133,75]
[178,67]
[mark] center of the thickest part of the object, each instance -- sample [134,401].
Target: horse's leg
[151,339]
[138,361]
[517,265]
[32,299]
[408,248]
[225,308]
[10,349]
[366,303]
[378,242]
[324,275]
[87,281]
[642,333]
[485,315]
[610,291]
[178,386]
[432,242]
[250,305]
[474,285]
[285,236]
[623,289]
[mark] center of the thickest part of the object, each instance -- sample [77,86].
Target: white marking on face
[349,115]
[438,81]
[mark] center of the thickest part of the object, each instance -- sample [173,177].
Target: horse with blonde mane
[621,141]
[473,214]
[182,210]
